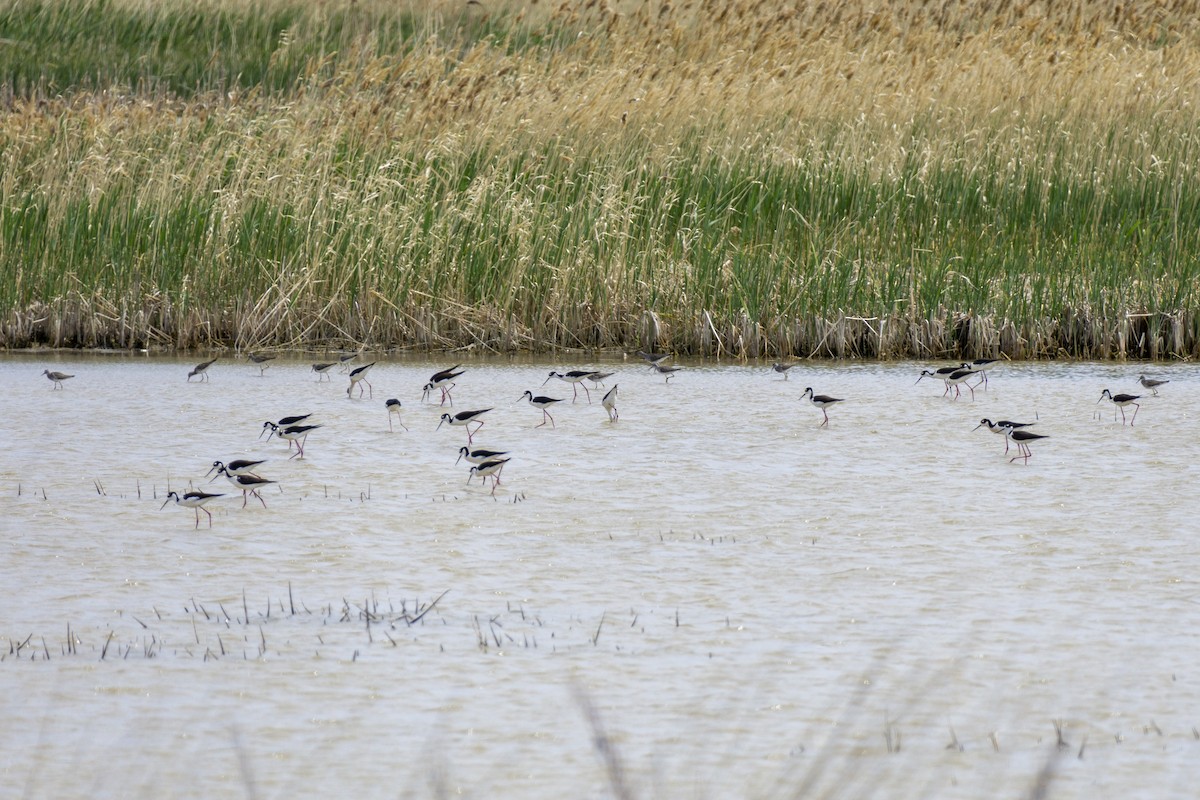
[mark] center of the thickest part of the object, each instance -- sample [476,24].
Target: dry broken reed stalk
[842,180]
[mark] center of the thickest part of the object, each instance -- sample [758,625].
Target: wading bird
[821,401]
[201,370]
[542,402]
[465,418]
[1122,400]
[443,380]
[57,377]
[195,500]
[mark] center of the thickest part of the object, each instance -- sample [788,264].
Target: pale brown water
[749,602]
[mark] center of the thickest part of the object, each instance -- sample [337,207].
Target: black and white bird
[249,484]
[240,466]
[942,374]
[270,428]
[1022,438]
[465,419]
[489,469]
[1151,383]
[610,403]
[959,377]
[821,401]
[194,500]
[1001,428]
[1122,400]
[297,434]
[393,409]
[443,380]
[983,366]
[575,377]
[359,375]
[57,377]
[542,402]
[201,370]
[478,456]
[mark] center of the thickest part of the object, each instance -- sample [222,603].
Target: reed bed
[722,179]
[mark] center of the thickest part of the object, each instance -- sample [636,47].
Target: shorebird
[610,403]
[322,370]
[261,361]
[782,369]
[575,377]
[653,359]
[443,380]
[489,469]
[821,401]
[1001,428]
[543,403]
[1122,400]
[249,484]
[201,370]
[598,378]
[942,374]
[669,372]
[1148,383]
[393,408]
[958,377]
[195,500]
[478,456]
[286,422]
[346,359]
[983,366]
[239,466]
[57,377]
[465,418]
[298,434]
[1022,440]
[360,374]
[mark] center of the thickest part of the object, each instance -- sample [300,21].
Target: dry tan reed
[584,176]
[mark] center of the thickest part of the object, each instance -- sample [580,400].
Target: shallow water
[745,603]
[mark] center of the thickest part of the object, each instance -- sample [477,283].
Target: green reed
[385,179]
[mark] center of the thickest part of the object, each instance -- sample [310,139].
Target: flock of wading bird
[485,464]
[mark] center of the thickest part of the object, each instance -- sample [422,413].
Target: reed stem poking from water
[743,180]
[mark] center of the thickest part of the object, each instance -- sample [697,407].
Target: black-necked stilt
[575,377]
[285,422]
[943,374]
[782,369]
[360,374]
[1122,400]
[443,380]
[542,402]
[57,377]
[983,366]
[653,358]
[598,378]
[393,409]
[195,500]
[478,456]
[261,361]
[959,377]
[821,401]
[240,466]
[202,370]
[1022,439]
[299,435]
[347,360]
[1151,383]
[667,372]
[249,484]
[322,370]
[610,403]
[489,469]
[465,418]
[1001,428]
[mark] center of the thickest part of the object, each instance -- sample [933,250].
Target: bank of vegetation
[752,178]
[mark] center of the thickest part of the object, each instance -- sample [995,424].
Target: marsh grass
[742,180]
